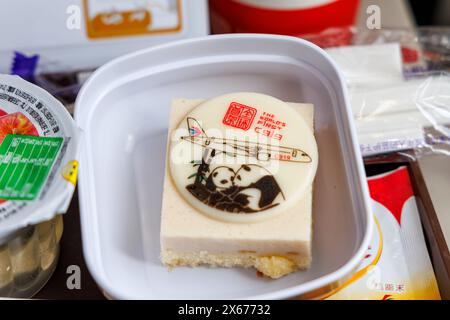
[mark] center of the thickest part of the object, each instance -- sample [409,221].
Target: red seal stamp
[239,116]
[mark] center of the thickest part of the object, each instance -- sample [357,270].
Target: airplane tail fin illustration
[195,129]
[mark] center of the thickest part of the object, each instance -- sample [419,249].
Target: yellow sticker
[70,172]
[113,18]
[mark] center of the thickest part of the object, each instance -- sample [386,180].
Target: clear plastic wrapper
[399,86]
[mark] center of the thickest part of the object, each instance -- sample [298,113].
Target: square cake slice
[275,247]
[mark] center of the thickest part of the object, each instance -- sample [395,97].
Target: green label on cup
[25,164]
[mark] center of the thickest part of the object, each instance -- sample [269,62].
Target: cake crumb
[275,266]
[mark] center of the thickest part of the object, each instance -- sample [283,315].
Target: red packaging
[288,17]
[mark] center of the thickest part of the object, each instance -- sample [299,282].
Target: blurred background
[431,12]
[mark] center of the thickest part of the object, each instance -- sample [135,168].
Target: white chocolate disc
[243,157]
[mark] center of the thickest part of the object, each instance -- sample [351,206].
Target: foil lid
[38,155]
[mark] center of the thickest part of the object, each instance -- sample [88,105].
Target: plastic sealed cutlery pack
[399,89]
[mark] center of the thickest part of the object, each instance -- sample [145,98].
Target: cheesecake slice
[213,218]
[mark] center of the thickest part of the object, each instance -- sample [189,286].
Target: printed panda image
[259,186]
[251,188]
[222,191]
[221,178]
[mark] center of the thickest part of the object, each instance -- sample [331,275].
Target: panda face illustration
[221,178]
[248,174]
[251,188]
[258,186]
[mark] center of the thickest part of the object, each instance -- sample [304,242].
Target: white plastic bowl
[123,112]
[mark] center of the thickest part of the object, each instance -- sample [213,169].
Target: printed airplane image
[262,152]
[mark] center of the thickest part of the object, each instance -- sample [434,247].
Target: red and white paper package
[397,265]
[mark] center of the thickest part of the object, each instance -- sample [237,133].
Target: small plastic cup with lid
[38,169]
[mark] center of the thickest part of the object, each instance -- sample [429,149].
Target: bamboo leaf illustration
[192,175]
